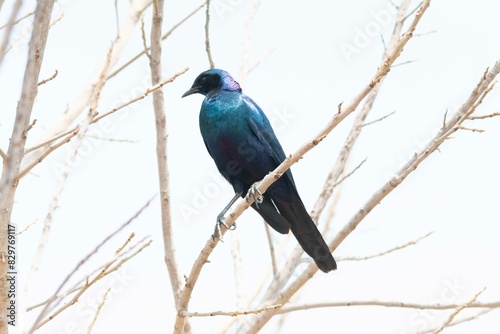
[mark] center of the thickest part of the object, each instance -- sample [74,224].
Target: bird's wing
[261,127]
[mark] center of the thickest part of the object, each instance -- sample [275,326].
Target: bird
[244,147]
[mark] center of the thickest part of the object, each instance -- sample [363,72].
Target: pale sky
[324,54]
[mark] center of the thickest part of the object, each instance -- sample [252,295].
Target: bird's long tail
[306,232]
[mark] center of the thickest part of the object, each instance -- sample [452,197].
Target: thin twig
[456,312]
[342,179]
[379,119]
[17,21]
[99,307]
[10,25]
[144,41]
[484,116]
[117,18]
[412,11]
[38,322]
[24,229]
[207,35]
[405,62]
[245,56]
[165,36]
[382,253]
[445,119]
[259,61]
[48,141]
[112,139]
[239,274]
[461,320]
[143,95]
[49,79]
[59,18]
[272,253]
[470,129]
[42,156]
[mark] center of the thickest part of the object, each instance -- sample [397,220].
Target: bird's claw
[256,195]
[218,232]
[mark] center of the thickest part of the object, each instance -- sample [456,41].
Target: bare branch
[161,150]
[357,127]
[15,153]
[243,204]
[118,45]
[62,180]
[69,134]
[230,313]
[89,283]
[485,85]
[119,259]
[390,304]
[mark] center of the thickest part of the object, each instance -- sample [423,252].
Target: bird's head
[213,79]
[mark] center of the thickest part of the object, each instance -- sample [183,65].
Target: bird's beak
[192,90]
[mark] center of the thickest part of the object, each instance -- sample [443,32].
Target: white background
[454,193]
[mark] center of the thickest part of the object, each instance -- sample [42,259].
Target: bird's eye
[203,79]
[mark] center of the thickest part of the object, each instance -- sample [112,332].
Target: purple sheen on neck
[228,83]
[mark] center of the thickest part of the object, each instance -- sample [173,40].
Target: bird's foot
[217,230]
[256,195]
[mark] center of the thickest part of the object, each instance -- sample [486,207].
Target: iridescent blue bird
[245,149]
